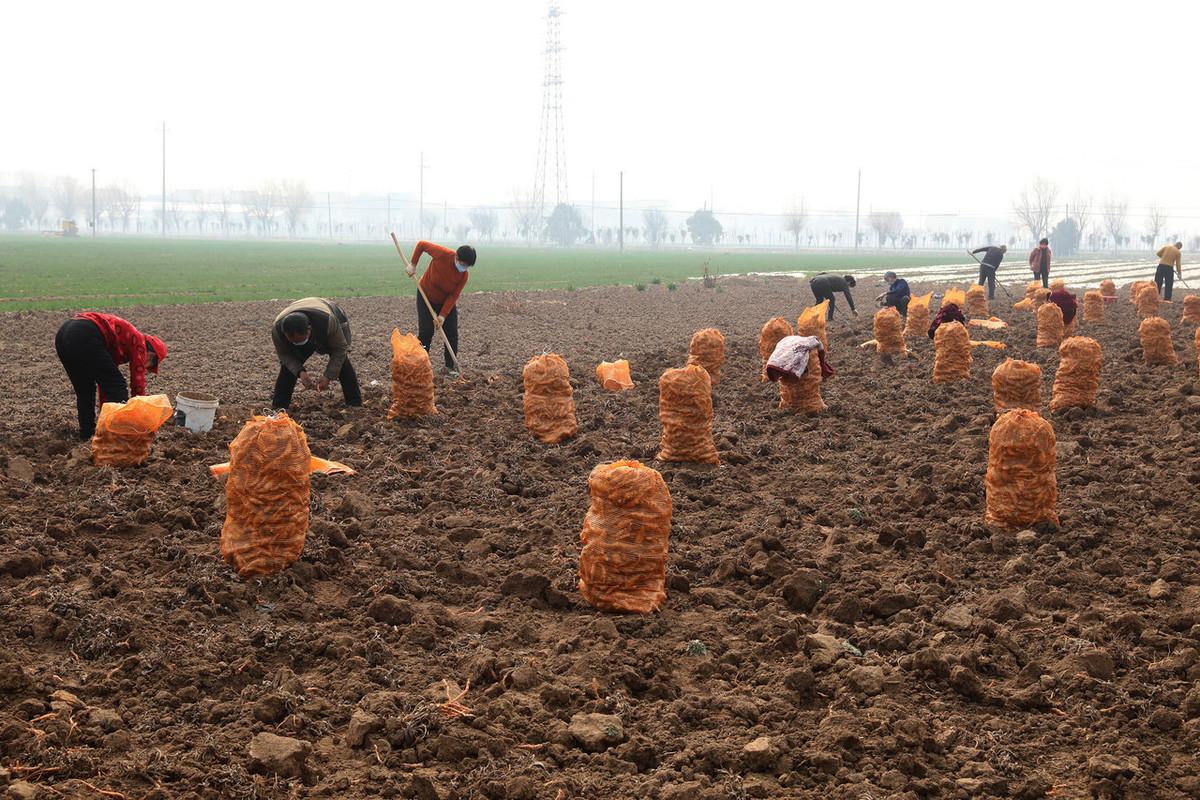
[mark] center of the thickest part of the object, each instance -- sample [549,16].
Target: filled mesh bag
[125,431]
[1020,484]
[1031,289]
[686,413]
[889,332]
[1057,283]
[549,400]
[1157,346]
[1148,301]
[708,350]
[1093,306]
[1191,309]
[1078,375]
[1108,288]
[991,324]
[812,323]
[1069,328]
[614,375]
[623,561]
[977,304]
[1135,290]
[412,378]
[1198,348]
[772,332]
[1017,384]
[267,495]
[1049,325]
[803,395]
[1040,298]
[918,316]
[952,353]
[955,297]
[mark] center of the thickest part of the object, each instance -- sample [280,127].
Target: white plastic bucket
[195,411]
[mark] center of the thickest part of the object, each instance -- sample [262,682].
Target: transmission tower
[553,134]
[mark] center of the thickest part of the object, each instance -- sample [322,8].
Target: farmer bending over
[1168,256]
[897,295]
[989,264]
[1065,301]
[823,286]
[90,346]
[950,312]
[313,325]
[442,283]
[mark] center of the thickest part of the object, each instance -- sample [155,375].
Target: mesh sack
[267,495]
[1025,304]
[1017,384]
[918,316]
[1198,348]
[1020,484]
[772,332]
[889,332]
[1069,328]
[614,375]
[1157,347]
[1191,309]
[1135,289]
[990,324]
[549,400]
[956,297]
[1078,375]
[1108,288]
[708,350]
[623,561]
[125,431]
[1040,298]
[803,395]
[952,353]
[686,413]
[1031,289]
[1057,283]
[1093,306]
[977,304]
[1147,301]
[1049,325]
[812,323]
[412,378]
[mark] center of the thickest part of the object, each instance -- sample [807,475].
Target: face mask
[301,344]
[461,267]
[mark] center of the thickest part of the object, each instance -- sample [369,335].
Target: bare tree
[295,199]
[175,211]
[1156,221]
[34,196]
[795,221]
[123,204]
[886,224]
[66,196]
[429,223]
[655,221]
[1114,219]
[1035,205]
[527,217]
[1080,210]
[259,205]
[484,221]
[223,212]
[200,209]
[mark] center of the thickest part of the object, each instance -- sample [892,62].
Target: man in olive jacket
[313,325]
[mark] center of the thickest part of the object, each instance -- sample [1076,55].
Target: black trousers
[987,273]
[821,295]
[1044,274]
[285,384]
[1165,274]
[80,348]
[425,328]
[900,305]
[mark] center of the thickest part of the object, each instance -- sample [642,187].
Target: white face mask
[461,267]
[301,344]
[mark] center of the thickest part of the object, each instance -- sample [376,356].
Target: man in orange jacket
[442,283]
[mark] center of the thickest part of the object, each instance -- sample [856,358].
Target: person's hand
[322,384]
[438,321]
[307,380]
[854,311]
[411,269]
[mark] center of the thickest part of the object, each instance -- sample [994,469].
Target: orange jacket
[442,282]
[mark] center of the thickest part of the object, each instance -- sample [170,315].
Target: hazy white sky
[946,106]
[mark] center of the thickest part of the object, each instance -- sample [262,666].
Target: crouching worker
[949,312]
[313,325]
[91,346]
[897,295]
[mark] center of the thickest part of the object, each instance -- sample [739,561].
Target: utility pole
[621,228]
[329,214]
[164,185]
[857,207]
[389,213]
[93,202]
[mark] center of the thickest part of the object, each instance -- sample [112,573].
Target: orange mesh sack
[1017,384]
[1093,306]
[803,395]
[1135,289]
[1191,309]
[125,431]
[267,495]
[772,332]
[952,353]
[812,323]
[1157,347]
[614,375]
[977,304]
[549,400]
[1040,298]
[1020,484]
[1078,376]
[956,297]
[1057,283]
[685,411]
[1147,302]
[412,378]
[623,563]
[889,332]
[1049,325]
[1198,348]
[918,316]
[708,350]
[1108,288]
[1031,289]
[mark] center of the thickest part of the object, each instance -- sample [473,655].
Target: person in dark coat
[313,325]
[1039,262]
[992,256]
[897,295]
[1065,301]
[824,286]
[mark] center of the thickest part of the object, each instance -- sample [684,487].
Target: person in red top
[442,283]
[1065,301]
[90,346]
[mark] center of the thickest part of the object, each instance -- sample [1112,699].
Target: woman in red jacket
[90,346]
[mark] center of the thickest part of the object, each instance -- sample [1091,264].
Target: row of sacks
[1018,384]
